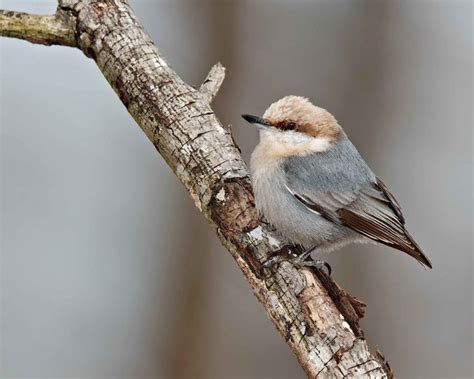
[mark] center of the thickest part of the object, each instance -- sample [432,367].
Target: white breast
[273,199]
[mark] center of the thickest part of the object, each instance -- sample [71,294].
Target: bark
[317,319]
[44,30]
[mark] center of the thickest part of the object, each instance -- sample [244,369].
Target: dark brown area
[350,307]
[233,210]
[324,129]
[385,364]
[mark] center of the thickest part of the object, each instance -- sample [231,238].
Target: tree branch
[44,30]
[317,319]
[213,82]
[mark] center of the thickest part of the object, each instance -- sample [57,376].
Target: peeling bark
[318,320]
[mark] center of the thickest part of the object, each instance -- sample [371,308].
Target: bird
[312,185]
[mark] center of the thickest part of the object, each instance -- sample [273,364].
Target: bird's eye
[290,125]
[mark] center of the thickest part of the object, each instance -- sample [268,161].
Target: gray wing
[340,186]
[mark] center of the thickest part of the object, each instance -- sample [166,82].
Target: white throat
[274,146]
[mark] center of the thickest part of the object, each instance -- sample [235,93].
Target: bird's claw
[320,265]
[297,261]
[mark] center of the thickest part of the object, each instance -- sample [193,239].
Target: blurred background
[108,269]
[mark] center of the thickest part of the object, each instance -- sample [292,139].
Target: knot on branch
[232,206]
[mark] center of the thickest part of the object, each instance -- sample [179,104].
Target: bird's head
[295,126]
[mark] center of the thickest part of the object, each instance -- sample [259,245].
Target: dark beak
[256,121]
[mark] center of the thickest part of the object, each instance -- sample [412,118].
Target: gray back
[340,169]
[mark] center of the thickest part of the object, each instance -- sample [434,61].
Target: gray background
[108,270]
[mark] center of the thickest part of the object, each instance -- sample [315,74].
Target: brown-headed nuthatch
[313,186]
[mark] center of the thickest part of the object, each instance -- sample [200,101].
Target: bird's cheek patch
[319,145]
[280,149]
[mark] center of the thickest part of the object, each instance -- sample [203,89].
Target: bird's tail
[414,250]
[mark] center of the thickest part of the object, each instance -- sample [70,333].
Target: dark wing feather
[358,201]
[393,202]
[382,221]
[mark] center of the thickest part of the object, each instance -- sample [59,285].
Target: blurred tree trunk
[317,319]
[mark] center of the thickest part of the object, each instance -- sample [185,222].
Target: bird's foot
[286,254]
